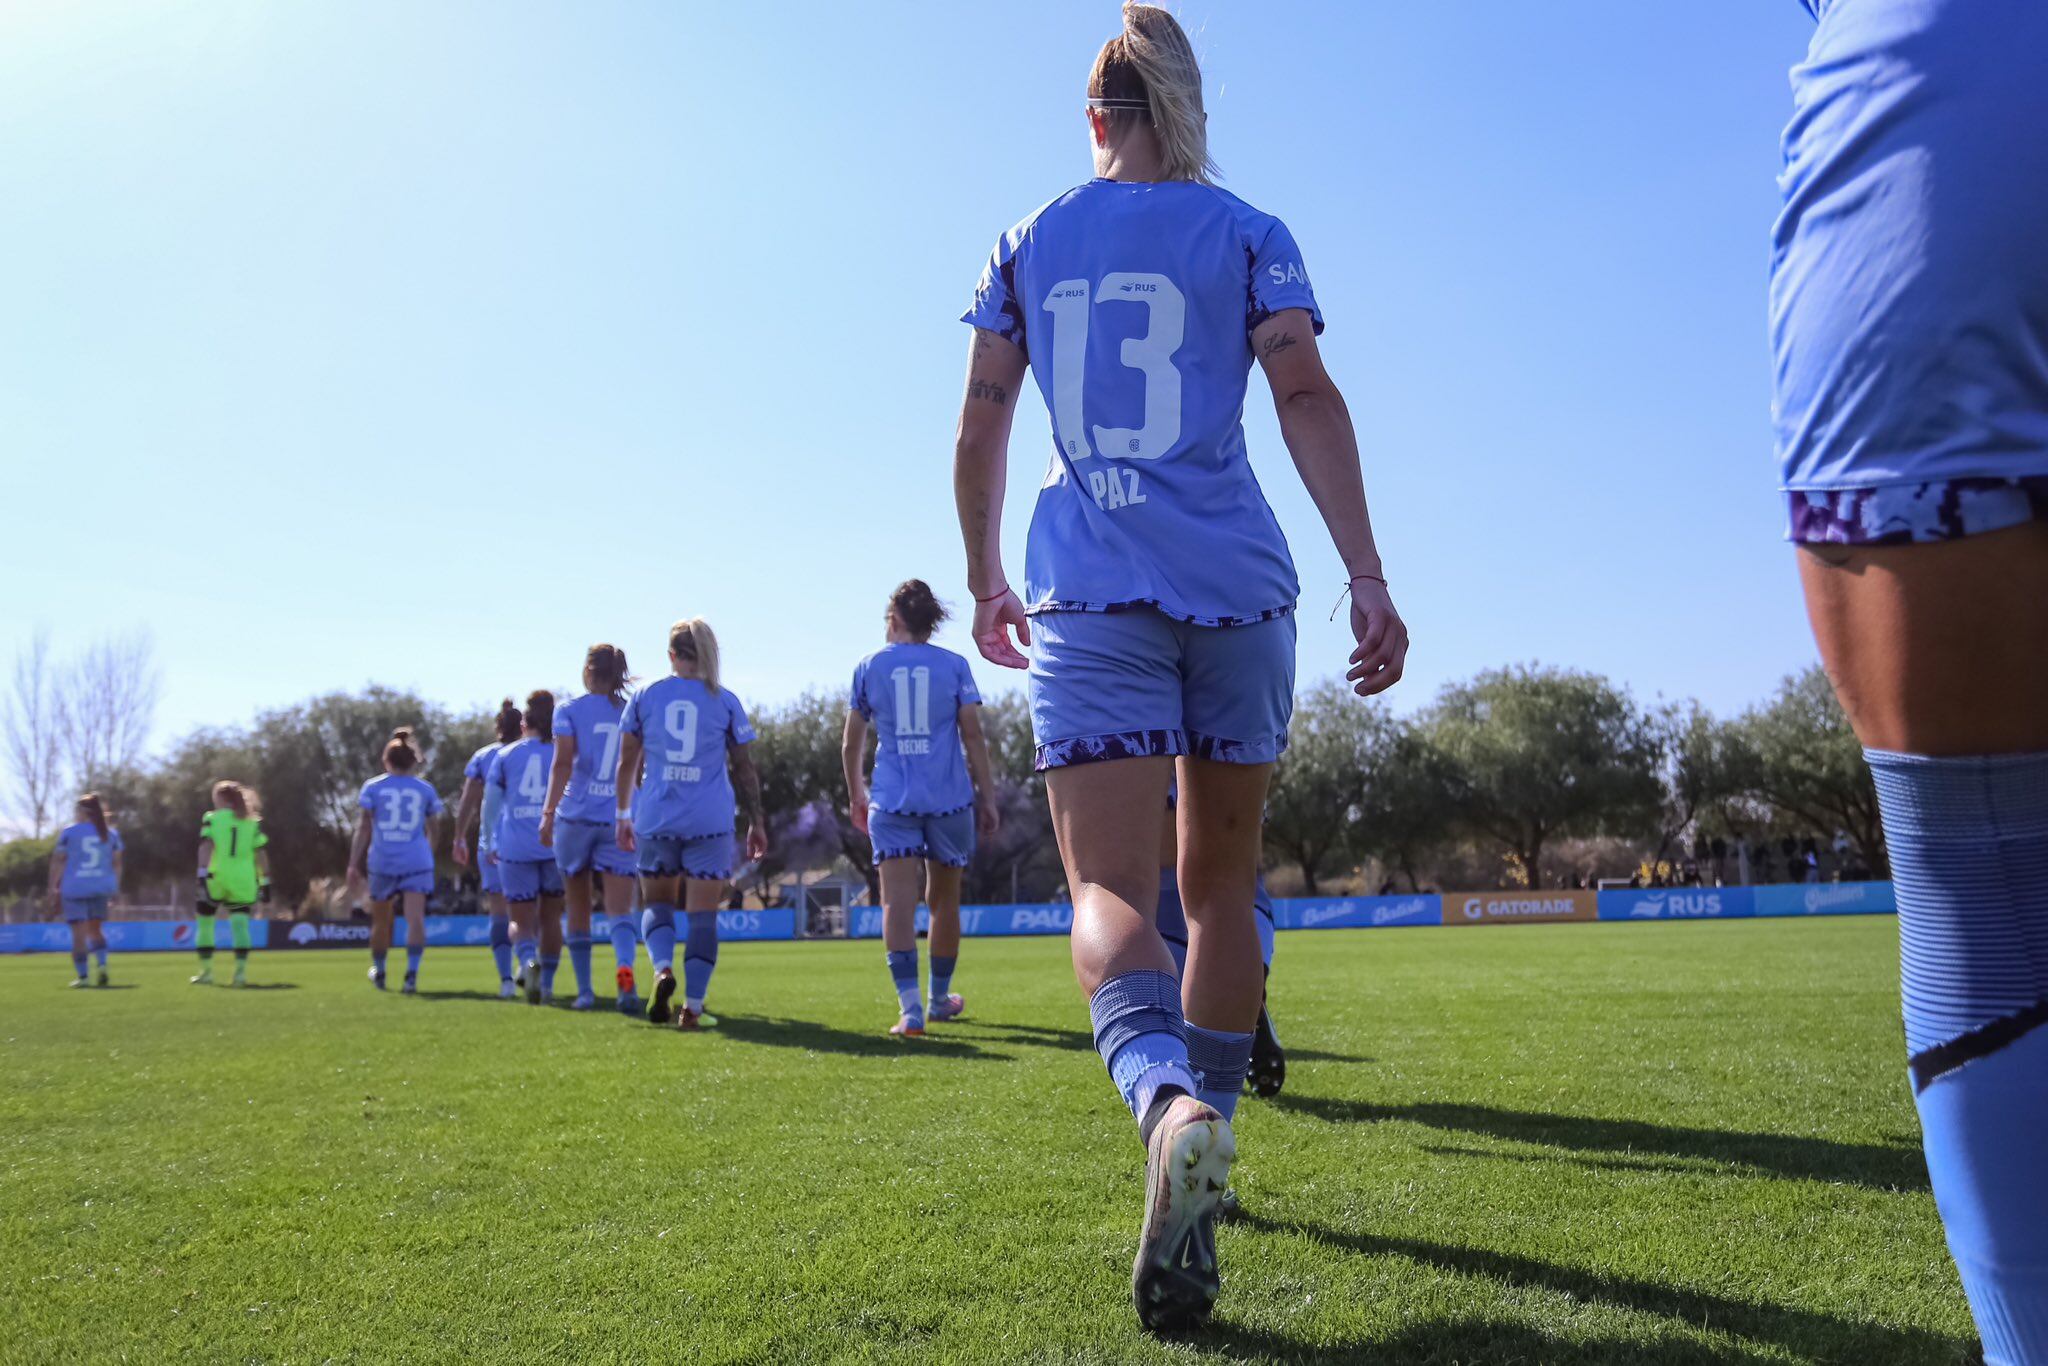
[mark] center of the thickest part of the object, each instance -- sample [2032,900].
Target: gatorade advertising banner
[1678,903]
[1519,908]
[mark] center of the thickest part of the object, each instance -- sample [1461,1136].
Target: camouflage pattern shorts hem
[1914,514]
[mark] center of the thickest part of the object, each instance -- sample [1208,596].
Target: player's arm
[466,811]
[262,875]
[981,460]
[558,782]
[57,872]
[1316,425]
[205,871]
[359,848]
[975,742]
[746,780]
[853,744]
[630,745]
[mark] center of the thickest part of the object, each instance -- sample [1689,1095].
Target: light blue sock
[1172,919]
[579,959]
[550,964]
[903,972]
[1220,1061]
[625,941]
[377,960]
[501,945]
[658,928]
[99,951]
[412,959]
[527,951]
[700,957]
[1969,851]
[78,961]
[1139,1033]
[942,976]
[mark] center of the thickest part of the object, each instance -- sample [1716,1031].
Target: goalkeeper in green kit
[234,874]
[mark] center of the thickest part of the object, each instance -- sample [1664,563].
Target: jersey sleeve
[740,728]
[114,841]
[476,766]
[965,693]
[364,799]
[63,845]
[1279,281]
[857,699]
[629,719]
[995,305]
[435,806]
[494,776]
[262,841]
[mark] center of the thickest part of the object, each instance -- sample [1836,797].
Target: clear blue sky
[427,344]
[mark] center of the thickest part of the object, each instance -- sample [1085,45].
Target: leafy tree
[803,788]
[1333,742]
[1797,754]
[1700,769]
[1535,753]
[25,866]
[1022,862]
[1407,803]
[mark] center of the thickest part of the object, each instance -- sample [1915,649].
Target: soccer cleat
[629,1004]
[532,983]
[203,978]
[947,1008]
[409,986]
[584,1001]
[81,982]
[1268,1072]
[376,979]
[658,1009]
[909,1027]
[688,1019]
[506,991]
[624,980]
[103,977]
[1228,1206]
[1187,1169]
[241,977]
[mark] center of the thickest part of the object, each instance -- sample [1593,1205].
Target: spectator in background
[1718,850]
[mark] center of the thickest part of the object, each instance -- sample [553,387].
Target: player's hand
[1382,639]
[757,842]
[987,818]
[357,881]
[460,853]
[858,813]
[547,829]
[205,898]
[624,837]
[994,620]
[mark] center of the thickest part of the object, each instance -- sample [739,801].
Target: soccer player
[931,791]
[1909,320]
[85,869]
[527,867]
[577,820]
[1267,1072]
[481,799]
[1159,593]
[394,853]
[690,731]
[234,872]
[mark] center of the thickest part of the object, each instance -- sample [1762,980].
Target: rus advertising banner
[1678,903]
[1519,908]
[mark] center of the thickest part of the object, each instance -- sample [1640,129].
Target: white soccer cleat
[1174,1280]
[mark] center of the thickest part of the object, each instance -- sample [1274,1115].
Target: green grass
[1686,1143]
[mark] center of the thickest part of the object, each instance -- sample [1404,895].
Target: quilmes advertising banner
[1519,908]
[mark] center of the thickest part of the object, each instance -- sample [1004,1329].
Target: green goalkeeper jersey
[232,880]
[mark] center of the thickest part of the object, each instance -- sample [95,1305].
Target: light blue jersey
[1135,302]
[685,790]
[592,720]
[519,772]
[479,768]
[88,861]
[399,805]
[913,694]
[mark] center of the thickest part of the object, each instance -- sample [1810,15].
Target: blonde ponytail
[693,640]
[1152,61]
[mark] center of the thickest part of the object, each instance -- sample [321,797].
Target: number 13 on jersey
[1072,304]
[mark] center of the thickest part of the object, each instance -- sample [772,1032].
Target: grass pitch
[1682,1143]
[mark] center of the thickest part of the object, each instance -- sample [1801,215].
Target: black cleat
[1268,1071]
[1187,1167]
[659,1011]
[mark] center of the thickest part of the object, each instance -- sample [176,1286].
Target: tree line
[1521,776]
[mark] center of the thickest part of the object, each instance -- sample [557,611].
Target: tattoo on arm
[1277,343]
[993,392]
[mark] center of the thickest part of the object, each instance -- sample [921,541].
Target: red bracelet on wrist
[997,594]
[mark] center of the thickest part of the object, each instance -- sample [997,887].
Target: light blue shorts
[947,838]
[700,856]
[77,908]
[583,845]
[384,886]
[489,880]
[1133,683]
[530,880]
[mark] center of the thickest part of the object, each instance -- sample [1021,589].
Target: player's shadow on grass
[472,994]
[1438,1342]
[1805,1333]
[1081,1041]
[266,986]
[823,1038]
[1881,1166]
